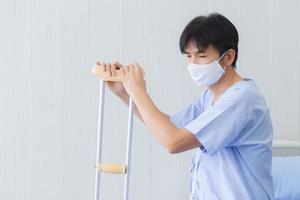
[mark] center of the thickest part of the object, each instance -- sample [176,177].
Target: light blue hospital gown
[234,162]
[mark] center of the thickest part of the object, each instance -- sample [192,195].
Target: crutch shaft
[110,167]
[99,139]
[128,149]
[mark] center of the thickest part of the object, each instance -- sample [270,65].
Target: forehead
[191,48]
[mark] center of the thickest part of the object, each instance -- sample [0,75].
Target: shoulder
[247,96]
[252,95]
[243,94]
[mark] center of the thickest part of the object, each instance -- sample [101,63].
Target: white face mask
[207,74]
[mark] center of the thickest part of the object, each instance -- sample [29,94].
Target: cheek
[205,60]
[188,59]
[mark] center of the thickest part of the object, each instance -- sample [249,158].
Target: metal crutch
[110,167]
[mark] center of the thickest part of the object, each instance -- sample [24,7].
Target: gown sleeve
[188,112]
[221,124]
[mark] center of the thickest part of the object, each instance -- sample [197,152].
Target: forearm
[175,140]
[125,98]
[159,123]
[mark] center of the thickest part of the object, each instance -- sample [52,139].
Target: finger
[113,69]
[118,65]
[136,69]
[131,68]
[104,67]
[101,65]
[137,65]
[126,69]
[122,70]
[108,68]
[139,68]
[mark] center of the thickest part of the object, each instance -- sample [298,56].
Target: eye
[202,56]
[188,56]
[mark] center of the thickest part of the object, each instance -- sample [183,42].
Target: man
[228,126]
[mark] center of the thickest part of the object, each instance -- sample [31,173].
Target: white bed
[286,170]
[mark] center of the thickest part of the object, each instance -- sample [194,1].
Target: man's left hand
[133,79]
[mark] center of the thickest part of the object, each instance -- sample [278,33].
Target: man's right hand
[115,86]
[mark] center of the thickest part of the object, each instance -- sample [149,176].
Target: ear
[229,57]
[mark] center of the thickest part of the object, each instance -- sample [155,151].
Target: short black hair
[215,30]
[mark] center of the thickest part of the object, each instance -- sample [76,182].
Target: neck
[227,80]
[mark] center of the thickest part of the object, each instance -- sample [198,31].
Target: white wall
[49,100]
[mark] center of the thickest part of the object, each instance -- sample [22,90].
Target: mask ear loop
[221,59]
[222,56]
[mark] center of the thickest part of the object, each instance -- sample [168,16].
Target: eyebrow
[199,51]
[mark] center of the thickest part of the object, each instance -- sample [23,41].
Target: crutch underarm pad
[97,71]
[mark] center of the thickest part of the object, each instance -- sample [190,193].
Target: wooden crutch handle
[112,168]
[99,73]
